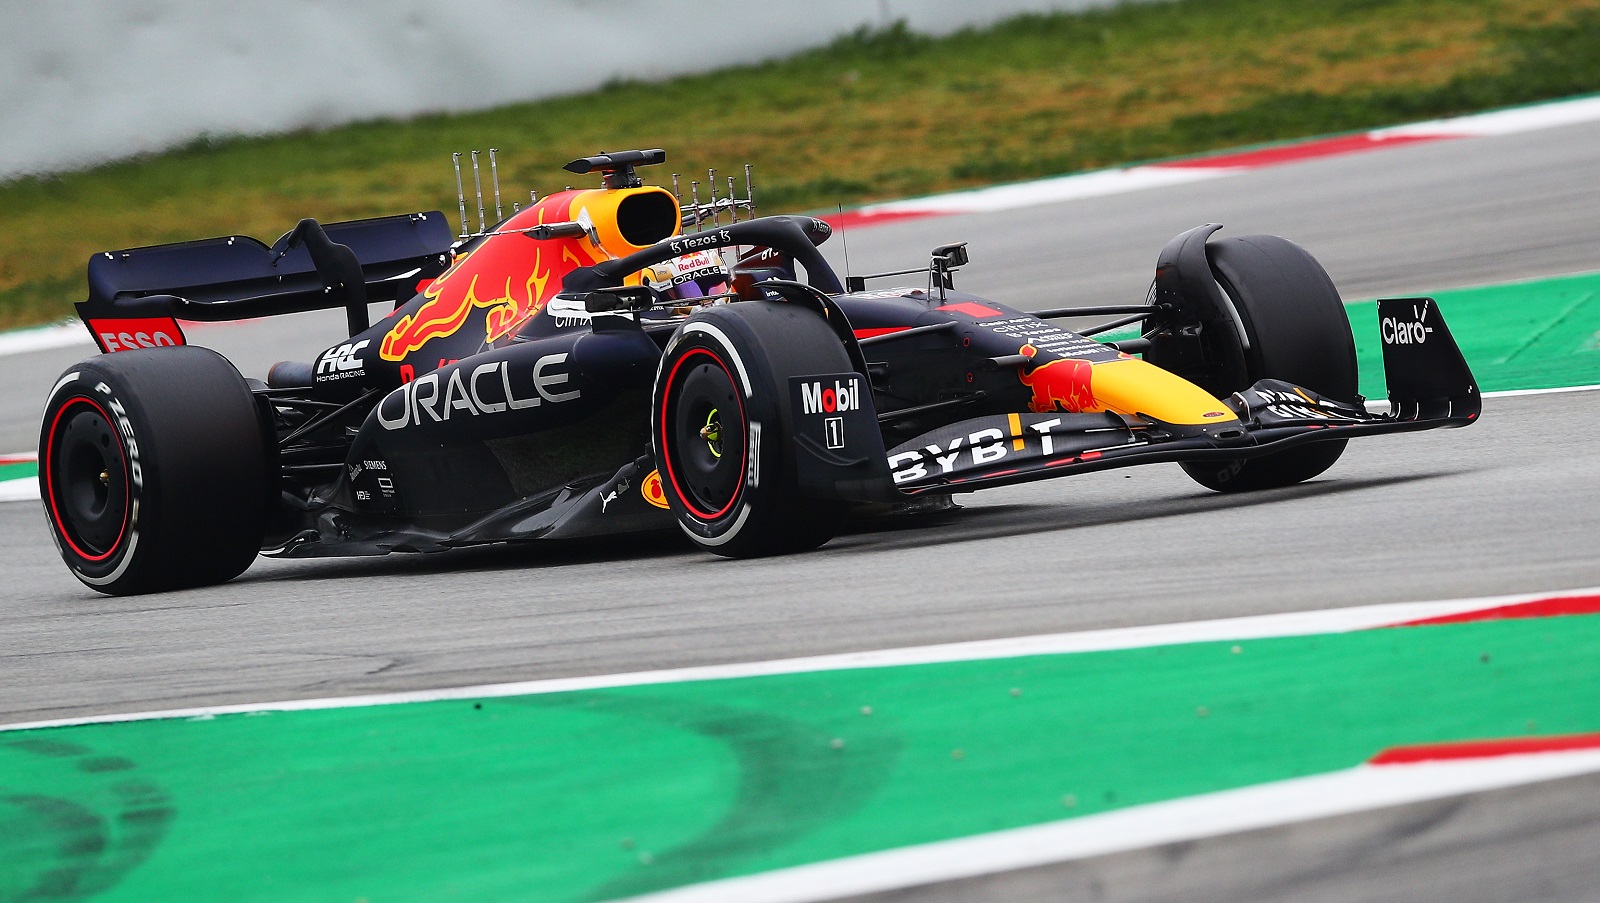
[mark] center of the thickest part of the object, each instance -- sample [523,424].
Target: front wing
[1430,386]
[1017,448]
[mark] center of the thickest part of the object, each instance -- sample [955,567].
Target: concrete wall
[91,80]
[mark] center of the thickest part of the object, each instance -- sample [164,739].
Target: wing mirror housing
[946,259]
[622,299]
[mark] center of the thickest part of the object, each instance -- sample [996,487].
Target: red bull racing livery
[585,366]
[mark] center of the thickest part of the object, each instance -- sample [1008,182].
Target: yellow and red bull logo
[1064,385]
[1127,386]
[511,275]
[491,277]
[651,490]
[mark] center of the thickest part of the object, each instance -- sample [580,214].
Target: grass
[877,114]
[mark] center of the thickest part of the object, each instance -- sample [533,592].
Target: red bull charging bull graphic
[511,276]
[492,276]
[1063,385]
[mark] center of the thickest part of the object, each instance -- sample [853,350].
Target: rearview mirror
[629,298]
[951,256]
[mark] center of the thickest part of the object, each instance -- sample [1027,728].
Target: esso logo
[134,333]
[128,341]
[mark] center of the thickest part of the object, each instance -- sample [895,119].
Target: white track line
[1208,815]
[1558,390]
[45,338]
[1379,406]
[1502,122]
[1300,623]
[1152,175]
[1273,804]
[1051,191]
[24,489]
[19,489]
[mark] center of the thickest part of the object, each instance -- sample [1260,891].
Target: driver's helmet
[701,274]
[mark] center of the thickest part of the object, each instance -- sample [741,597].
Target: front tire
[721,437]
[153,470]
[1298,332]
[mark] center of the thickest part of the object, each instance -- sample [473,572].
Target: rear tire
[153,470]
[722,442]
[1298,332]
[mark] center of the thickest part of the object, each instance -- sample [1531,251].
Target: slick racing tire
[722,444]
[153,469]
[1298,332]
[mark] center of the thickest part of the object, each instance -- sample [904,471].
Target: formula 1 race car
[585,367]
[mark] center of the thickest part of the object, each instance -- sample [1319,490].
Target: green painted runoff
[1542,334]
[606,793]
[22,471]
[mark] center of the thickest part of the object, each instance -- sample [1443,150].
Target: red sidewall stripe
[48,470]
[666,462]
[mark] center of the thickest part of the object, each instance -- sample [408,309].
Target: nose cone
[1131,386]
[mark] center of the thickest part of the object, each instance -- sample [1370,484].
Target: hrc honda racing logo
[341,362]
[485,390]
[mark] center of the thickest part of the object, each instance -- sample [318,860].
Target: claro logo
[1407,332]
[815,398]
[1401,332]
[485,390]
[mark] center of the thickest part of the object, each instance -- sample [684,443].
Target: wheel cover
[703,434]
[86,480]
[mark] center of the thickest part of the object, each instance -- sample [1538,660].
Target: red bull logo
[1065,385]
[512,276]
[651,490]
[497,275]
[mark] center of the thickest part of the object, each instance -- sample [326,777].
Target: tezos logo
[837,398]
[704,241]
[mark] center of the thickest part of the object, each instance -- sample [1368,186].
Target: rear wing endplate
[137,295]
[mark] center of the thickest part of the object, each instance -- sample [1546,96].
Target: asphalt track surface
[1505,506]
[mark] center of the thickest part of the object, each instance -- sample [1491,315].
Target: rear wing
[137,295]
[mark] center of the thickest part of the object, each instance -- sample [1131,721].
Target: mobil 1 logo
[831,410]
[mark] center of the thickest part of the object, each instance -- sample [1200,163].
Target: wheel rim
[704,434]
[87,480]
